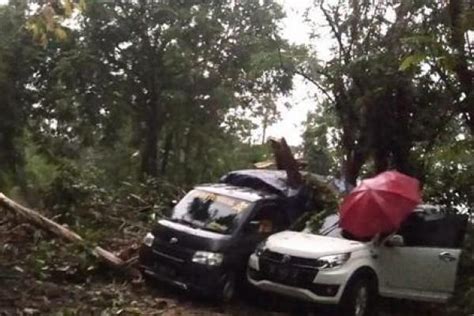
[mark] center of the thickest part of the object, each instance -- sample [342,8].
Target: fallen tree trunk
[45,223]
[285,160]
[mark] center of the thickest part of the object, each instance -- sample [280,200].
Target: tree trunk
[149,165]
[465,75]
[402,139]
[354,161]
[45,223]
[150,76]
[166,152]
[264,128]
[381,160]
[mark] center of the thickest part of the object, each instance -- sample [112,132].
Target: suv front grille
[294,261]
[288,270]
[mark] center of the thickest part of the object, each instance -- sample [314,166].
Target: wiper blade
[329,229]
[187,222]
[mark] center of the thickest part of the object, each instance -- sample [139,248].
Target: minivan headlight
[208,258]
[148,239]
[332,261]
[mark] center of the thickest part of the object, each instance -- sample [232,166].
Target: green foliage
[72,188]
[319,143]
[17,65]
[449,172]
[83,198]
[131,91]
[316,221]
[40,172]
[153,91]
[411,61]
[394,96]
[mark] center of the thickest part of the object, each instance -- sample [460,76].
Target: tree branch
[316,83]
[66,234]
[335,31]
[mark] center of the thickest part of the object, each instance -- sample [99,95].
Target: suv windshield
[328,226]
[210,211]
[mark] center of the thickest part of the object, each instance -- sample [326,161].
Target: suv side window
[434,230]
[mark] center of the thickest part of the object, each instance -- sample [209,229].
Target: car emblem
[173,240]
[285,259]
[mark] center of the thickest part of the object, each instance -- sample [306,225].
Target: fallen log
[323,193]
[58,230]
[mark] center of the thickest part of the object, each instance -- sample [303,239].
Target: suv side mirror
[395,241]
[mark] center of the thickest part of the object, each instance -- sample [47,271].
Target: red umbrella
[379,204]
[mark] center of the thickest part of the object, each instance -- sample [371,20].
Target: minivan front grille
[171,251]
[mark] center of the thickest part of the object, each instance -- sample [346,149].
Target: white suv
[419,262]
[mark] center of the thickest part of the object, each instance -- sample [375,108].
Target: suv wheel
[359,298]
[228,290]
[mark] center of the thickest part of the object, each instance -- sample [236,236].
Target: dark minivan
[204,244]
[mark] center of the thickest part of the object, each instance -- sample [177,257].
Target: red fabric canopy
[379,204]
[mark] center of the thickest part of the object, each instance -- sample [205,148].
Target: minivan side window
[434,230]
[272,219]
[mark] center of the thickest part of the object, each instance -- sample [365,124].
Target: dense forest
[100,100]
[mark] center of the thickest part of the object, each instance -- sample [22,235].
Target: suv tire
[359,297]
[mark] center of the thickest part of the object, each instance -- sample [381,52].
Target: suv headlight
[208,258]
[148,239]
[332,261]
[260,248]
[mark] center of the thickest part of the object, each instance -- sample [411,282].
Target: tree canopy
[155,89]
[396,91]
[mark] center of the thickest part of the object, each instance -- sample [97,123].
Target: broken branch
[58,230]
[286,161]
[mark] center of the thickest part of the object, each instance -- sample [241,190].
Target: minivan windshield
[210,211]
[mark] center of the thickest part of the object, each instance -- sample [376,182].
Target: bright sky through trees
[302,99]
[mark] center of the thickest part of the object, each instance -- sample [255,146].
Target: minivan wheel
[228,290]
[359,298]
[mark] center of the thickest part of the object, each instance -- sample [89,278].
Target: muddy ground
[28,296]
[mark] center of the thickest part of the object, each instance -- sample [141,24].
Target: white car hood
[309,245]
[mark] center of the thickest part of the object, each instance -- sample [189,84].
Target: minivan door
[424,268]
[268,218]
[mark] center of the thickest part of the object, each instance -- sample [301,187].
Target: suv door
[424,268]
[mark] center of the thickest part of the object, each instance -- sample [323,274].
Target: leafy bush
[74,189]
[38,170]
[78,194]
